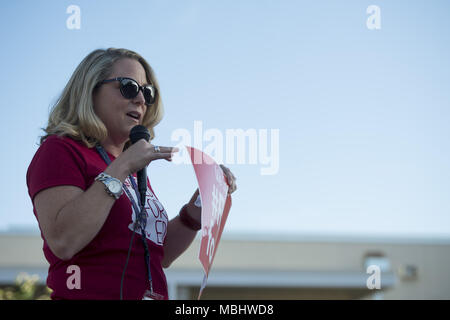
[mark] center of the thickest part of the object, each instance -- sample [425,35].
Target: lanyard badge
[151,295]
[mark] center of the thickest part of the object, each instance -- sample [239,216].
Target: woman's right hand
[141,153]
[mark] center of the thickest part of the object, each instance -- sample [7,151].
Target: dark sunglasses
[129,88]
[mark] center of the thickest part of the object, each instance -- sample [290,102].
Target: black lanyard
[141,219]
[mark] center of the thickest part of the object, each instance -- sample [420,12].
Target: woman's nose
[139,99]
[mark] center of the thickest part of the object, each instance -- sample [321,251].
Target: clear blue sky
[363,114]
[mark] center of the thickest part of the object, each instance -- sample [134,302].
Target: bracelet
[188,221]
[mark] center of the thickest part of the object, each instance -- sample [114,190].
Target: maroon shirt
[64,161]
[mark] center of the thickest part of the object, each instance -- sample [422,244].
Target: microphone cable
[128,258]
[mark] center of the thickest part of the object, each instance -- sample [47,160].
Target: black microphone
[137,133]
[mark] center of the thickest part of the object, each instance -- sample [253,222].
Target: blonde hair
[73,113]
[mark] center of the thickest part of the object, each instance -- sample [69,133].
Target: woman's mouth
[134,115]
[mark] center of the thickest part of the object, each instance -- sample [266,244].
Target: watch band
[105,178]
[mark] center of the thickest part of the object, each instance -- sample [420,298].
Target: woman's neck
[113,147]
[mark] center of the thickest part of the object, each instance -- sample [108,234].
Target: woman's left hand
[231,179]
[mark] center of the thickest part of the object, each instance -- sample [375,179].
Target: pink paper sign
[216,204]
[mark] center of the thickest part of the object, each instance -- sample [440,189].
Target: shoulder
[58,161]
[59,149]
[53,140]
[64,144]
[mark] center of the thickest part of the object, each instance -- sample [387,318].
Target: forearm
[80,220]
[179,237]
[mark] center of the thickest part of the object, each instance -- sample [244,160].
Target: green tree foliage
[26,287]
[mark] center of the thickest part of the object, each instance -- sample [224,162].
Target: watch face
[114,186]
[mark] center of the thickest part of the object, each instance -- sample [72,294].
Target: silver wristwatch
[112,185]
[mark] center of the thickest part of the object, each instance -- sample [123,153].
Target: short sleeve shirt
[64,161]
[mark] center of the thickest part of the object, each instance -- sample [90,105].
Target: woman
[77,177]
